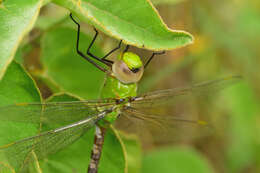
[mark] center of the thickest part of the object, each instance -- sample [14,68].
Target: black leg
[113,50]
[126,48]
[105,61]
[155,53]
[84,56]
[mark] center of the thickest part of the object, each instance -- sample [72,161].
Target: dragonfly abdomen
[97,149]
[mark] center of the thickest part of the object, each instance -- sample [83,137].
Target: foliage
[39,35]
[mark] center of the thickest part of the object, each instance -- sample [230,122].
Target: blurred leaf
[16,87]
[48,22]
[150,81]
[168,2]
[141,27]
[64,66]
[16,20]
[113,154]
[133,152]
[170,160]
[76,157]
[1,4]
[21,52]
[244,108]
[249,22]
[232,42]
[46,80]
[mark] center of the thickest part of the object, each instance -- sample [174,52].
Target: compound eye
[126,75]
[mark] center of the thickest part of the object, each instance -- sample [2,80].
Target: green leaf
[244,110]
[16,20]
[113,156]
[64,66]
[76,157]
[136,22]
[168,2]
[133,152]
[170,160]
[16,87]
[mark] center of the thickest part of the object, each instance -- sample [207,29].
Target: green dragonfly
[118,100]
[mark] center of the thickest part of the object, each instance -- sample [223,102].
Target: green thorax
[113,88]
[115,85]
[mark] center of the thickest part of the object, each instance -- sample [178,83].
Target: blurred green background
[226,42]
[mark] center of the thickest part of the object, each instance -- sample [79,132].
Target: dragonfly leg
[105,61]
[97,149]
[154,53]
[84,56]
[126,48]
[113,50]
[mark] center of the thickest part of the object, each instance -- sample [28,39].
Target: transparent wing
[53,112]
[162,96]
[172,115]
[19,153]
[154,129]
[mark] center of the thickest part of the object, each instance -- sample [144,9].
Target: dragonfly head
[128,68]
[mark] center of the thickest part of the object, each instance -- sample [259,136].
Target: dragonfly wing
[51,113]
[19,153]
[172,115]
[160,129]
[170,95]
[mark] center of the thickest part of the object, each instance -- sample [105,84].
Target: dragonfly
[118,99]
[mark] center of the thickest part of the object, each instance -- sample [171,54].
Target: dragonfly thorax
[128,68]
